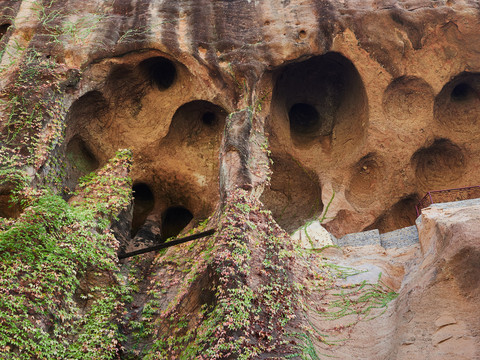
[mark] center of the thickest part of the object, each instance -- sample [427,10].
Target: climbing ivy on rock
[247,268]
[44,256]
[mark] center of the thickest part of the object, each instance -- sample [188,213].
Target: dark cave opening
[143,203]
[160,71]
[457,105]
[462,92]
[4,29]
[320,95]
[209,118]
[174,220]
[304,118]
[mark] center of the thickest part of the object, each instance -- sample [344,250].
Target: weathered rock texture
[376,101]
[294,102]
[437,283]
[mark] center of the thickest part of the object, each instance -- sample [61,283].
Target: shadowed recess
[463,92]
[318,95]
[159,71]
[80,161]
[209,118]
[4,29]
[198,123]
[80,156]
[8,209]
[304,119]
[400,215]
[89,106]
[439,165]
[458,104]
[143,203]
[174,220]
[294,195]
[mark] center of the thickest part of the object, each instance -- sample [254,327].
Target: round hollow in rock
[89,106]
[143,203]
[439,165]
[294,196]
[304,118]
[197,122]
[174,220]
[366,176]
[4,29]
[462,92]
[458,104]
[401,214]
[209,118]
[319,96]
[159,71]
[408,99]
[80,156]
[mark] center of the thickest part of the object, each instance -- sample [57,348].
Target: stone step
[394,239]
[400,238]
[315,236]
[371,237]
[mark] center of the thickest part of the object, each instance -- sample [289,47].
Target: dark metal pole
[167,244]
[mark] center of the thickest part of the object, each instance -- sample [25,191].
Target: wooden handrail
[168,244]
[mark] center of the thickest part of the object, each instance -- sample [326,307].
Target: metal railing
[448,195]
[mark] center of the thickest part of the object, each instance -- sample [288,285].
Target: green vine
[45,254]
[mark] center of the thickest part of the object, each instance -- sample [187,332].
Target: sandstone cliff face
[237,105]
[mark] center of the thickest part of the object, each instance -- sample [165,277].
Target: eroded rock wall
[365,103]
[375,101]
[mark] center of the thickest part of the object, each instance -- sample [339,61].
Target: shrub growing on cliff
[44,255]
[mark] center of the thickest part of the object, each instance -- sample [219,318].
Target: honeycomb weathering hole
[80,156]
[197,122]
[143,203]
[458,104]
[304,119]
[91,105]
[174,220]
[4,29]
[463,92]
[400,215]
[366,174]
[159,71]
[439,165]
[407,98]
[209,118]
[294,195]
[8,209]
[317,96]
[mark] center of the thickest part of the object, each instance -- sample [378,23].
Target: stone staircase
[315,236]
[394,239]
